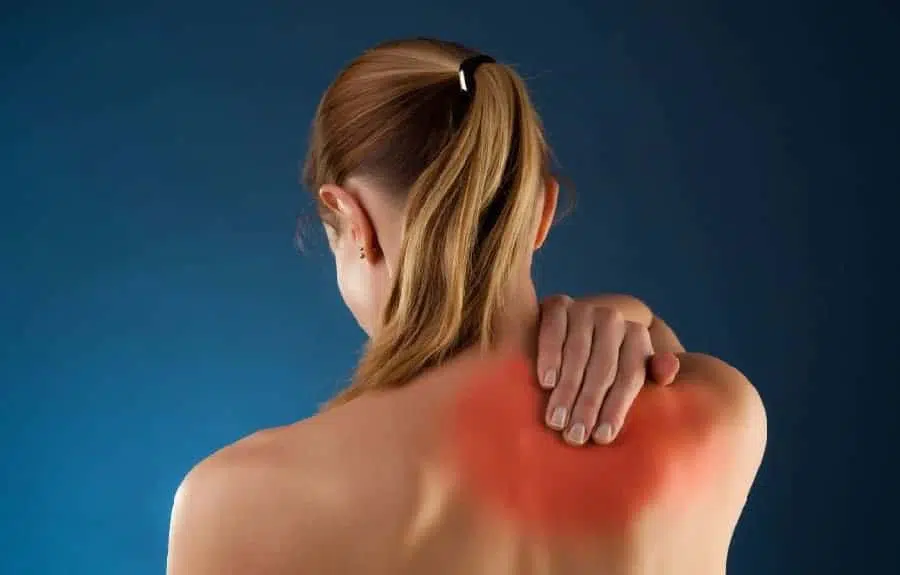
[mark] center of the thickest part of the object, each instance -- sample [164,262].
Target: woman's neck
[516,330]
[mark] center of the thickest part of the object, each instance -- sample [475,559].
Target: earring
[362,253]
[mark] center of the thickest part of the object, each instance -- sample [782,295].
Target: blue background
[731,162]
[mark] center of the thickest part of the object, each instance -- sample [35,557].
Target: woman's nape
[434,198]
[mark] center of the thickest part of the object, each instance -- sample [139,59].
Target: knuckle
[550,335]
[610,326]
[576,351]
[604,362]
[607,373]
[549,349]
[608,315]
[611,411]
[631,367]
[550,356]
[625,388]
[547,362]
[566,388]
[549,341]
[632,378]
[617,404]
[638,338]
[578,344]
[552,325]
[560,300]
[591,399]
[635,329]
[599,377]
[580,309]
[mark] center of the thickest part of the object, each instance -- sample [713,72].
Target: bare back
[456,474]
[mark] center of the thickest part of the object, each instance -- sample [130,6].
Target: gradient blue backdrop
[153,306]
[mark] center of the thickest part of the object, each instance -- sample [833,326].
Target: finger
[663,367]
[552,336]
[629,380]
[576,351]
[599,375]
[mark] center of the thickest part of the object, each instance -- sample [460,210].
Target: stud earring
[362,253]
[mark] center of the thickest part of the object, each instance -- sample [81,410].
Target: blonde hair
[467,166]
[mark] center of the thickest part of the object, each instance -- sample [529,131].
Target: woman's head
[434,196]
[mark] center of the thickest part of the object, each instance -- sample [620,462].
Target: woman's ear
[548,203]
[351,215]
[334,198]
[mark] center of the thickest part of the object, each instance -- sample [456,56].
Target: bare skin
[371,487]
[394,482]
[592,357]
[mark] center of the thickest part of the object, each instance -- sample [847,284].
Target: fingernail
[558,419]
[549,379]
[577,434]
[603,433]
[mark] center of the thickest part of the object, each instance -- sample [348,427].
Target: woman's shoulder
[255,470]
[256,502]
[295,454]
[734,417]
[732,404]
[703,434]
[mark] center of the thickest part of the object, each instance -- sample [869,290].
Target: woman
[433,179]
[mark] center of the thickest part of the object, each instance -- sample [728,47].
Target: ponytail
[467,221]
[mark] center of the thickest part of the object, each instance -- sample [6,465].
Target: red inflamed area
[508,461]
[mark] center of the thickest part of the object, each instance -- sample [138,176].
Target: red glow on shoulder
[507,460]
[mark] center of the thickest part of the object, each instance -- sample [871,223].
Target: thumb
[664,367]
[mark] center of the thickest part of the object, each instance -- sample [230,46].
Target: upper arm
[236,513]
[663,338]
[739,411]
[738,415]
